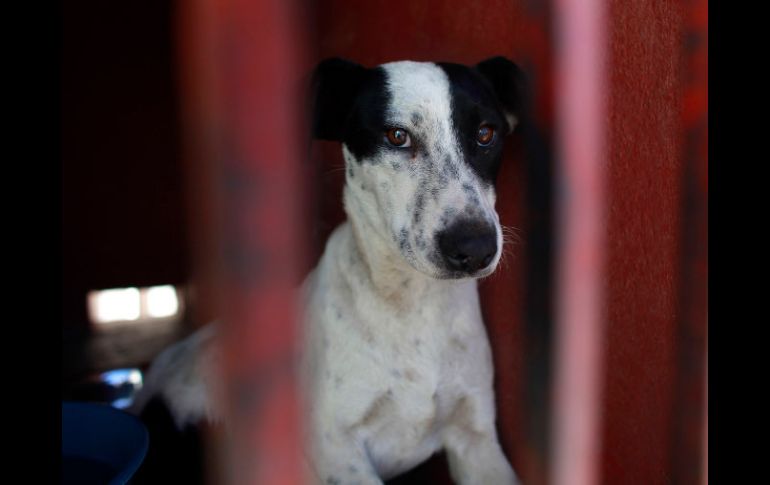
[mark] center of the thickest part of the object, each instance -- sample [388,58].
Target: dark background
[124,221]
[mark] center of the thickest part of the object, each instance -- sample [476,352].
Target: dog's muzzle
[468,246]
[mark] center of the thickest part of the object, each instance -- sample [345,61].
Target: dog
[397,362]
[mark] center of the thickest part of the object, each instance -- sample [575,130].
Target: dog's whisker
[511,233]
[334,170]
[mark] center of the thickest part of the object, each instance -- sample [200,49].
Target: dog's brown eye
[398,137]
[485,135]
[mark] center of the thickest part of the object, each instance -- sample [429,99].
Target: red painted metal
[250,117]
[260,59]
[644,250]
[580,217]
[200,113]
[689,457]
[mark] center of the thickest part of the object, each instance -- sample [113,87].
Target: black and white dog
[397,360]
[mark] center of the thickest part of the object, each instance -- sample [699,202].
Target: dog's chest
[394,378]
[408,395]
[388,367]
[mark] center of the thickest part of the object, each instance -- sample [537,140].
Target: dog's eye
[485,135]
[398,137]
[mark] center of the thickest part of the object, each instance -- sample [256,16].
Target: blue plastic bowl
[100,444]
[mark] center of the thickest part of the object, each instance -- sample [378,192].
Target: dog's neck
[393,279]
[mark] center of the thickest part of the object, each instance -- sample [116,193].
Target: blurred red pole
[580,90]
[690,418]
[241,86]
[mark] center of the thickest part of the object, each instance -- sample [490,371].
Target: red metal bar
[262,194]
[580,81]
[690,418]
[241,68]
[200,115]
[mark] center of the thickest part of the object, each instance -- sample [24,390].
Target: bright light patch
[136,305]
[161,301]
[119,377]
[123,402]
[119,304]
[125,382]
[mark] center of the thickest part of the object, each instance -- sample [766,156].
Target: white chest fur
[390,356]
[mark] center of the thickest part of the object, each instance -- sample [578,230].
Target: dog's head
[422,144]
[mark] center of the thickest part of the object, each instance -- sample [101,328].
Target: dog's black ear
[336,83]
[510,86]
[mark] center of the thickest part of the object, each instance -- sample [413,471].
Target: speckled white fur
[397,361]
[181,376]
[401,361]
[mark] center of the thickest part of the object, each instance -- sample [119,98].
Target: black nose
[468,246]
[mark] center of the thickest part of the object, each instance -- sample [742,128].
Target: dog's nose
[468,246]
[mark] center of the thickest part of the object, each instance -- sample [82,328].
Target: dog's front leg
[472,448]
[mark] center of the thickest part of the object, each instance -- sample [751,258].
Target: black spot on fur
[473,196]
[365,127]
[475,100]
[447,215]
[420,150]
[436,258]
[416,119]
[449,168]
[419,203]
[403,241]
[419,206]
[421,244]
[420,238]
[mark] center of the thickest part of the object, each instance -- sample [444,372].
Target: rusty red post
[580,91]
[242,65]
[689,442]
[260,62]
